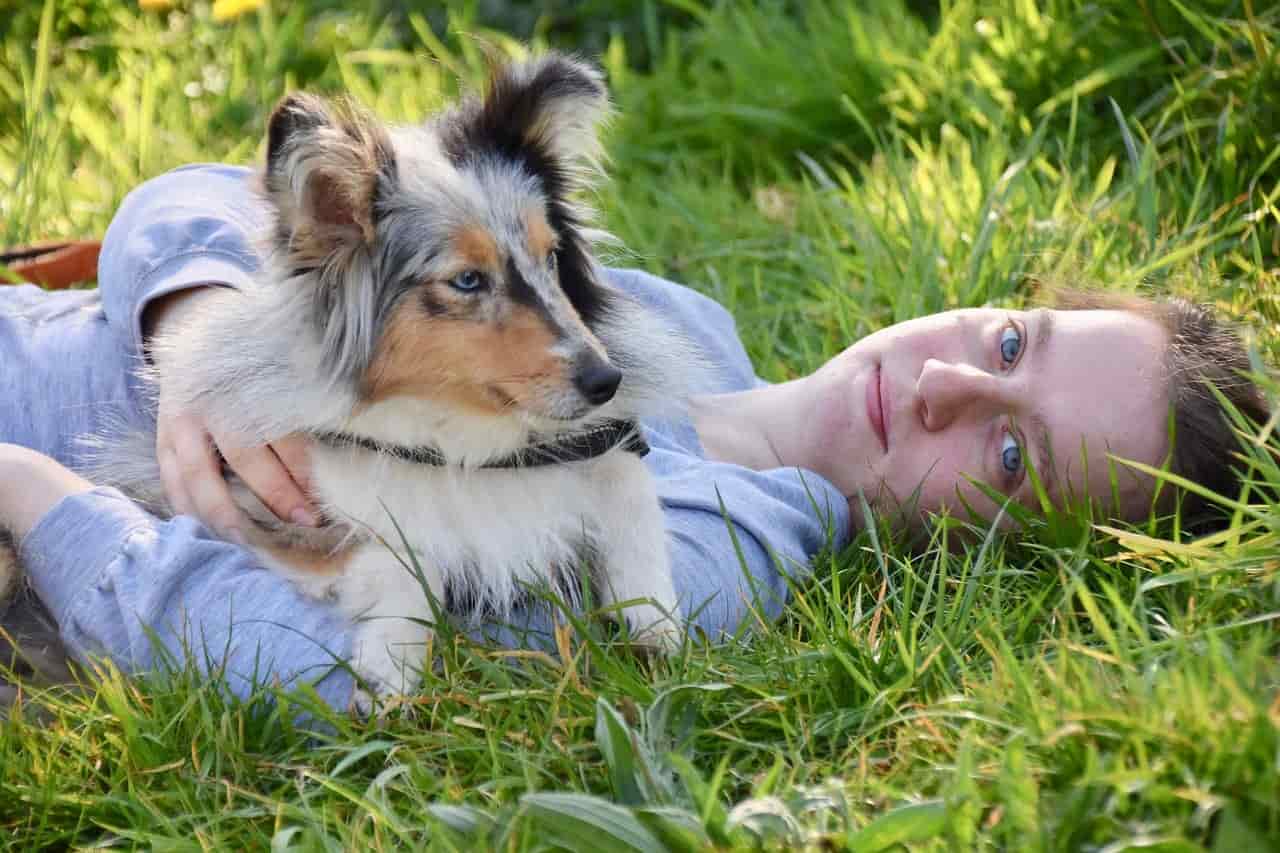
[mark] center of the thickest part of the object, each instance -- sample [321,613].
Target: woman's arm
[44,483]
[126,585]
[190,453]
[174,238]
[188,228]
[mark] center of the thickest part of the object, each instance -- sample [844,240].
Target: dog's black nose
[598,382]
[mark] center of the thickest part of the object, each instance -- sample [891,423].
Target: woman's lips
[875,408]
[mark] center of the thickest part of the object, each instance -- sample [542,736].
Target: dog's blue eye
[467,282]
[553,262]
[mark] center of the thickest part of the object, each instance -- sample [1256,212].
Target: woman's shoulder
[197,182]
[701,319]
[801,502]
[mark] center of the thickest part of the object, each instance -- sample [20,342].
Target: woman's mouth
[876,411]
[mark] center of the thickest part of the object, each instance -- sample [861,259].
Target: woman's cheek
[936,483]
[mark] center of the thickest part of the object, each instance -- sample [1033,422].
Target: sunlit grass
[822,169]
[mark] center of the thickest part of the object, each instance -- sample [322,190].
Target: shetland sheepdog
[430,310]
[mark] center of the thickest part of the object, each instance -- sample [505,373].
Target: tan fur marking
[306,560]
[541,238]
[477,247]
[472,363]
[522,348]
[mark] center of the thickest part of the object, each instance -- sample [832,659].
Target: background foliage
[823,168]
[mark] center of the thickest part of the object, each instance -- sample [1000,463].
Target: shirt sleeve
[739,539]
[126,585]
[193,226]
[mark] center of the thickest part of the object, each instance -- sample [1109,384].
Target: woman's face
[908,413]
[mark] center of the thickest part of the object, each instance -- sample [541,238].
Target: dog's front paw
[387,661]
[374,700]
[364,703]
[653,631]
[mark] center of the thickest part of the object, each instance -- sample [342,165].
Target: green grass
[823,169]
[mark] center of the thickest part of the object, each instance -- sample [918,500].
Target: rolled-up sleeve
[193,226]
[126,585]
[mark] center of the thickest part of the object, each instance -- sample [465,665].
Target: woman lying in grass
[911,417]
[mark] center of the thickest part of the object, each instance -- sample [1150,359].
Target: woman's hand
[30,485]
[191,454]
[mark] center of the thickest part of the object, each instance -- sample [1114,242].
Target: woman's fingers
[270,477]
[192,476]
[175,487]
[179,500]
[294,452]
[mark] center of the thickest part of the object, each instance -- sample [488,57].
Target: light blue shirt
[114,576]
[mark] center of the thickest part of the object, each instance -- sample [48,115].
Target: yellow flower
[225,10]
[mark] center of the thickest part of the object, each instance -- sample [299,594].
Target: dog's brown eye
[468,282]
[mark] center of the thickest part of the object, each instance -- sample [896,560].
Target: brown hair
[1204,354]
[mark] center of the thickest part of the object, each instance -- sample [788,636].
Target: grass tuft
[823,169]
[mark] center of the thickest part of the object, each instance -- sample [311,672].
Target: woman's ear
[326,166]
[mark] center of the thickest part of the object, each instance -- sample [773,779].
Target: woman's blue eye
[468,281]
[1010,454]
[1010,344]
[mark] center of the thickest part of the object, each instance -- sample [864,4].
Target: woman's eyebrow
[1043,452]
[1042,321]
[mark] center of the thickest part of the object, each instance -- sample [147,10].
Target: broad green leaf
[678,829]
[622,755]
[588,823]
[905,824]
[466,820]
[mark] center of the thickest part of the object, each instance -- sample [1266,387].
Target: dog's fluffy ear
[325,165]
[544,113]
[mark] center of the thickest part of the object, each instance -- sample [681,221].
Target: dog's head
[449,261]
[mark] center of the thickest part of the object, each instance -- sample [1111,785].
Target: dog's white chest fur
[488,533]
[491,531]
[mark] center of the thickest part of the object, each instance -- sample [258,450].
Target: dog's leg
[394,621]
[633,562]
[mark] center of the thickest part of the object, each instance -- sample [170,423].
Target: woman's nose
[951,391]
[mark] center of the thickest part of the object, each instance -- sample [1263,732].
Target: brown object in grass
[54,265]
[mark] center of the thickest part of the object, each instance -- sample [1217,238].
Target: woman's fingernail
[306,519]
[237,537]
